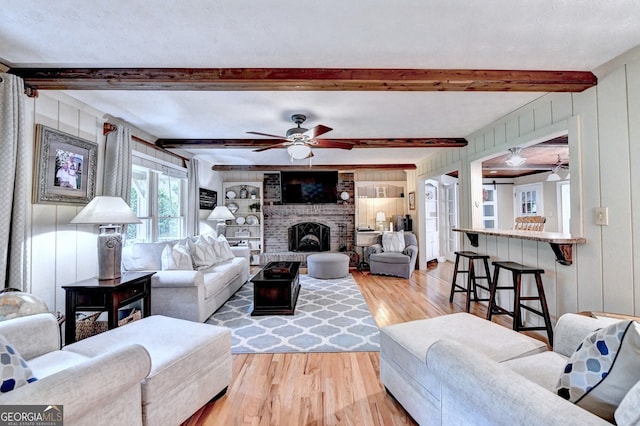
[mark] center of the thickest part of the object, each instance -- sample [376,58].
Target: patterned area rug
[330,316]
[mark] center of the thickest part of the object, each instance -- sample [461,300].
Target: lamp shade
[221,213]
[380,217]
[104,210]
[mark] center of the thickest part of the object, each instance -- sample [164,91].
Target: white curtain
[117,163]
[193,198]
[15,170]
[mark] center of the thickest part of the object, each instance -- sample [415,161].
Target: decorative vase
[243,192]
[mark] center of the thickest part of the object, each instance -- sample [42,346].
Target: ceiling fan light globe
[516,160]
[299,151]
[553,177]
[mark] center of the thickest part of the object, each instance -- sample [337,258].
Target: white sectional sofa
[459,369]
[155,371]
[191,294]
[103,390]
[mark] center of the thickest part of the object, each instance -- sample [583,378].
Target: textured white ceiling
[493,34]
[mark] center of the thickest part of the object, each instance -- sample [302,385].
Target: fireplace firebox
[309,237]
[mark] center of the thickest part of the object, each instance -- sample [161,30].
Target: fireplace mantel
[309,209]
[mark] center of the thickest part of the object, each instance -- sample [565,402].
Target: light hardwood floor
[334,388]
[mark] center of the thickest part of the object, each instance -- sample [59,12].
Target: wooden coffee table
[276,288]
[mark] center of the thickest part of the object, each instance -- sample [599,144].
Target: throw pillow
[602,370]
[15,371]
[223,250]
[202,253]
[393,241]
[176,258]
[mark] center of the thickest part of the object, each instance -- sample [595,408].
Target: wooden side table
[105,295]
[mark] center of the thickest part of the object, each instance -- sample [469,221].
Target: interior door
[450,217]
[431,220]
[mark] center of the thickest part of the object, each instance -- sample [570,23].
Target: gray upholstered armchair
[392,262]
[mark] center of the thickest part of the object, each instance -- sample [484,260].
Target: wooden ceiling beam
[304,79]
[358,143]
[338,167]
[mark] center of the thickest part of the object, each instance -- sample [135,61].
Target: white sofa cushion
[627,413]
[218,276]
[543,368]
[222,248]
[603,369]
[190,363]
[143,256]
[53,362]
[202,253]
[406,344]
[176,257]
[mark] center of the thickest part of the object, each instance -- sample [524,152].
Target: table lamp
[110,213]
[221,214]
[380,220]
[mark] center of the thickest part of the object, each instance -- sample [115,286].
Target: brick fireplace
[279,218]
[339,219]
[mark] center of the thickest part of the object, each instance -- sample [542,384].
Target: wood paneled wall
[604,139]
[61,253]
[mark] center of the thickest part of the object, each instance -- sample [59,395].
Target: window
[528,200]
[158,197]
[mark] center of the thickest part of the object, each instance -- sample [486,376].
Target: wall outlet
[602,215]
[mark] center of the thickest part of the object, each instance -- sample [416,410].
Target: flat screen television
[300,187]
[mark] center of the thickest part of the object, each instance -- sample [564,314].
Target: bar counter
[562,244]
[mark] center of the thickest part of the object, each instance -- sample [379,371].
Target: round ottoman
[328,265]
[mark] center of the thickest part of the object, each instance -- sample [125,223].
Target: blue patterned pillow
[603,369]
[15,371]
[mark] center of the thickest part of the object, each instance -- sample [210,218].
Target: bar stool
[517,270]
[472,278]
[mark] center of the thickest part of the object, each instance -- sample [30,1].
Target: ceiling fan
[299,140]
[554,176]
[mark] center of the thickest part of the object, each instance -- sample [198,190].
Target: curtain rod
[110,127]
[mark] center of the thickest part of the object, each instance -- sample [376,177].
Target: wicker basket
[134,315]
[90,326]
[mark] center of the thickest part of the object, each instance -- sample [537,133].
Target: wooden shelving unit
[248,226]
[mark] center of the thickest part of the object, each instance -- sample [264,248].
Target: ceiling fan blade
[328,143]
[278,145]
[317,131]
[267,134]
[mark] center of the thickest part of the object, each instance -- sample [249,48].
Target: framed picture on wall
[65,168]
[208,199]
[412,201]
